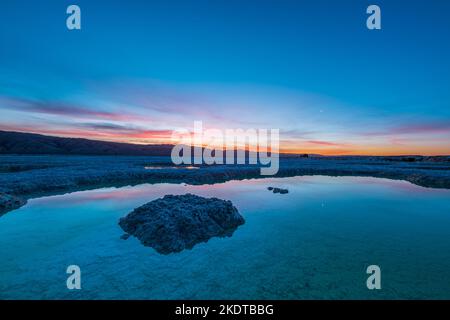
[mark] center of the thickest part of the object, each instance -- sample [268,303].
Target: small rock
[279,190]
[125,236]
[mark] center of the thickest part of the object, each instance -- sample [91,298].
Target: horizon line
[286,152]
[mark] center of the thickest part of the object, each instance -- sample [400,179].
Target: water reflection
[314,242]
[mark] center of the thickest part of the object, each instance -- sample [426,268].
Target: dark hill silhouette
[35,144]
[30,143]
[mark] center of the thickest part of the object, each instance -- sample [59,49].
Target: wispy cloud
[108,126]
[126,131]
[62,109]
[324,143]
[422,127]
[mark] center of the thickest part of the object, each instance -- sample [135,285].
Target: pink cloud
[324,143]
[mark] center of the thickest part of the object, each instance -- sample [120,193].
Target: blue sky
[139,69]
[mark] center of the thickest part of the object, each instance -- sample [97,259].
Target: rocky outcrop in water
[174,223]
[9,202]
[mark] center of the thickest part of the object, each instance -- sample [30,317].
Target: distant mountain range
[30,143]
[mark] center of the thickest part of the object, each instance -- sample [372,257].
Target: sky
[137,70]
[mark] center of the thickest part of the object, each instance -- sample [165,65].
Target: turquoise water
[313,243]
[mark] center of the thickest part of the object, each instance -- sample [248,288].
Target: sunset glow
[329,90]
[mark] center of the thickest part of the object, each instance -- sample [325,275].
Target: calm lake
[313,243]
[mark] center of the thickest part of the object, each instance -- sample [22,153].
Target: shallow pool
[314,242]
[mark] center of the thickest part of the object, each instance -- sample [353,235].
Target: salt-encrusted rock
[174,223]
[9,202]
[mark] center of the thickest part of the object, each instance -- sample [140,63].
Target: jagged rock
[9,202]
[174,223]
[278,190]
